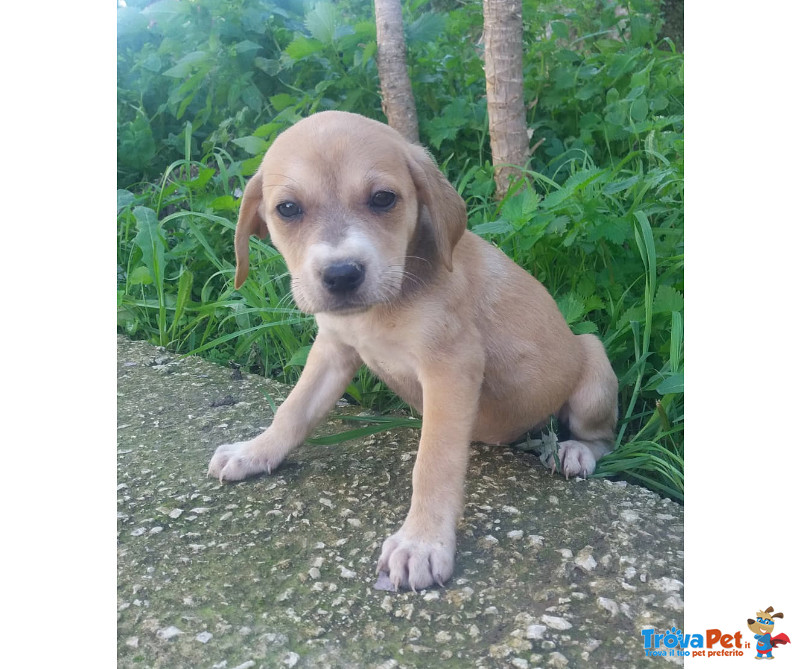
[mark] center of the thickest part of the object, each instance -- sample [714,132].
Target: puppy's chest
[386,349]
[385,353]
[397,369]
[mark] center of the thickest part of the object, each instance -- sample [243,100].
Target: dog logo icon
[762,627]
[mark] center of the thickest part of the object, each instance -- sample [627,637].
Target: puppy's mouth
[351,303]
[346,287]
[321,300]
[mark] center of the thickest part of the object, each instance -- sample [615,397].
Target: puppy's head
[348,201]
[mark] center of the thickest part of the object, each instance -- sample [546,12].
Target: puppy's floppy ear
[250,222]
[446,209]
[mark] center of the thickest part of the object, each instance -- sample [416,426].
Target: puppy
[375,240]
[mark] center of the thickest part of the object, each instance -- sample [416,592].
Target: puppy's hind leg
[590,412]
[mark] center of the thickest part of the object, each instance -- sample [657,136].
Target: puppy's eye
[383,200]
[289,209]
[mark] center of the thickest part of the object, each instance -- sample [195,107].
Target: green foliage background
[204,87]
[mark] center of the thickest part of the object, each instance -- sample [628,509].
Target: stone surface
[274,571]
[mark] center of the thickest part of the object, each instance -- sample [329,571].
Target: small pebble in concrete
[168,632]
[535,631]
[556,623]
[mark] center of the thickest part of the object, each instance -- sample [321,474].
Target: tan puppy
[375,240]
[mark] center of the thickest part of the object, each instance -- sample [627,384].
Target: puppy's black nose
[343,277]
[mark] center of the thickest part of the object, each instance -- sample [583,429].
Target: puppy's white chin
[343,309]
[346,311]
[342,306]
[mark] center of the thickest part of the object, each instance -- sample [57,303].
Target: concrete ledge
[279,571]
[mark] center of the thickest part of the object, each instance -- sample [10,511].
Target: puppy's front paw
[415,561]
[234,462]
[575,459]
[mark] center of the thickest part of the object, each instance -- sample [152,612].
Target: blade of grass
[340,437]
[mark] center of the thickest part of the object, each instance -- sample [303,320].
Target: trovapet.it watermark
[675,643]
[716,643]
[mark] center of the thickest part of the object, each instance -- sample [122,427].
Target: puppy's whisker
[425,260]
[405,274]
[285,302]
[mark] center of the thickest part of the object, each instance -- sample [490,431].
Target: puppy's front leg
[330,367]
[422,552]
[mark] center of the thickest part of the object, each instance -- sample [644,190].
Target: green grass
[597,216]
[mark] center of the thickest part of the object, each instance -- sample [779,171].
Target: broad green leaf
[634,314]
[140,276]
[354,392]
[253,145]
[252,97]
[672,384]
[615,230]
[302,47]
[583,178]
[136,145]
[245,46]
[427,28]
[204,175]
[164,10]
[639,109]
[558,225]
[588,91]
[186,65]
[124,198]
[571,307]
[519,209]
[149,240]
[641,30]
[560,29]
[634,93]
[584,327]
[440,129]
[667,300]
[280,102]
[268,65]
[498,227]
[224,203]
[268,129]
[321,22]
[299,357]
[623,184]
[130,22]
[152,63]
[642,77]
[250,165]
[344,35]
[555,198]
[370,49]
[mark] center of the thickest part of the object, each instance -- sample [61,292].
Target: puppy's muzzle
[341,278]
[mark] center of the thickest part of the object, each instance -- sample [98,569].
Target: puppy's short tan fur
[375,240]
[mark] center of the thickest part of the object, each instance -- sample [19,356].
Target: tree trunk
[398,98]
[508,129]
[672,11]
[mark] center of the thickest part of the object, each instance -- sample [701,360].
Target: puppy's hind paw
[574,459]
